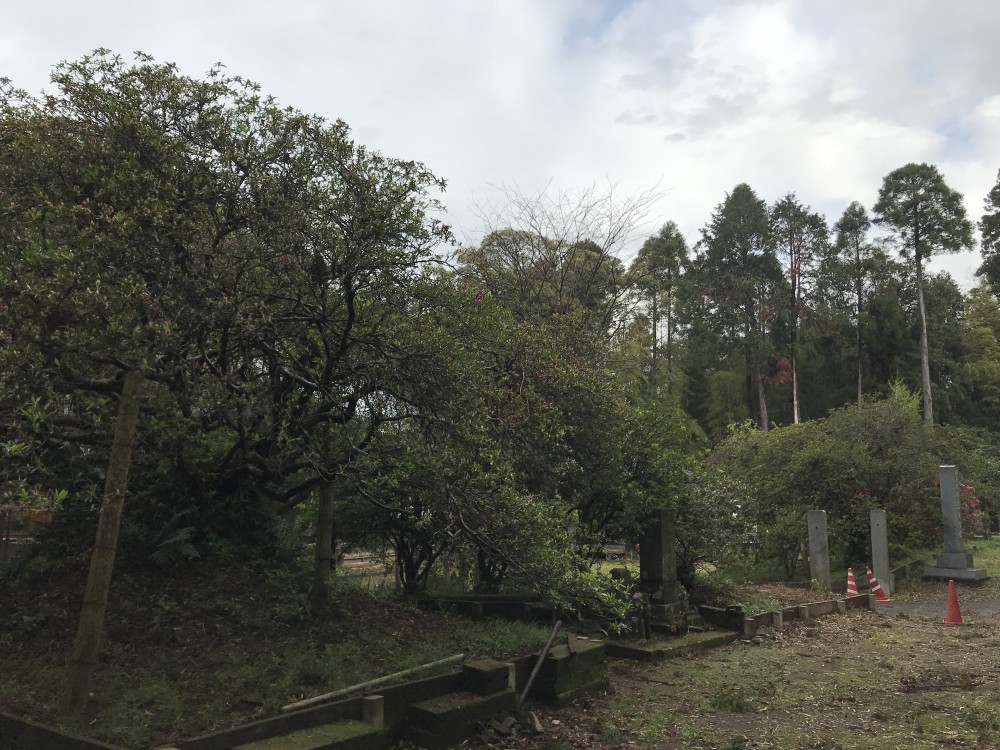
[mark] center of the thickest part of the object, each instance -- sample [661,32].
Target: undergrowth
[207,648]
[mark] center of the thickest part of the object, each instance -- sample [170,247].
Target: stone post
[880,551]
[657,555]
[658,567]
[955,563]
[951,511]
[819,548]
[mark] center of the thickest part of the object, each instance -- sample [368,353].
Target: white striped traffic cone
[852,586]
[875,587]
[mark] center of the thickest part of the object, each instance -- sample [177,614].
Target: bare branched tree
[557,251]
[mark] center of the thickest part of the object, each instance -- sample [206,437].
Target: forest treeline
[318,356]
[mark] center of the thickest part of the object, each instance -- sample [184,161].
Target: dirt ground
[894,678]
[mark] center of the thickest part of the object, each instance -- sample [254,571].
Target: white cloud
[789,95]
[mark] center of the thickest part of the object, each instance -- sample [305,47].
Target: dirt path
[894,678]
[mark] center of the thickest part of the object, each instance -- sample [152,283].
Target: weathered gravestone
[819,549]
[956,562]
[668,602]
[880,551]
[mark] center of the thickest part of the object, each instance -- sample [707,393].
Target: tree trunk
[925,365]
[793,274]
[324,551]
[670,363]
[795,389]
[925,361]
[857,289]
[102,561]
[762,399]
[654,375]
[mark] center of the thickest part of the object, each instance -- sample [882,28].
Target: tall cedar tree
[799,237]
[989,226]
[852,246]
[658,267]
[927,217]
[740,275]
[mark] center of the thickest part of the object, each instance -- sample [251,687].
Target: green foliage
[989,226]
[257,264]
[926,217]
[737,282]
[876,454]
[657,268]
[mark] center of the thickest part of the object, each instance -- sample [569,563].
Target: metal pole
[538,665]
[371,683]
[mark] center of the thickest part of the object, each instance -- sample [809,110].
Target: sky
[685,97]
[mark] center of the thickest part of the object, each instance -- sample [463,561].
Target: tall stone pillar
[880,551]
[955,563]
[658,567]
[819,548]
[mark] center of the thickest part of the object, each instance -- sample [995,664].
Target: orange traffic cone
[852,586]
[954,615]
[875,588]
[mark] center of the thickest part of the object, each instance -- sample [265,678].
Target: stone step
[565,674]
[666,648]
[341,735]
[443,721]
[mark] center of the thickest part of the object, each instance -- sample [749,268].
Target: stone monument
[819,549]
[956,562]
[880,551]
[668,603]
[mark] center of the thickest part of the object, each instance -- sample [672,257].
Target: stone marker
[658,568]
[880,551]
[819,549]
[373,711]
[955,563]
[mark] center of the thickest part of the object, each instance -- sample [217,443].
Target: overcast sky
[696,96]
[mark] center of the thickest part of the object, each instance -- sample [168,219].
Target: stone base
[565,675]
[666,648]
[954,560]
[672,611]
[957,574]
[445,721]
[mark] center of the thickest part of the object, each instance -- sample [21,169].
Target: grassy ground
[845,682]
[214,648]
[211,648]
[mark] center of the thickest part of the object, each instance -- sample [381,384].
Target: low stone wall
[22,734]
[778,618]
[524,608]
[563,676]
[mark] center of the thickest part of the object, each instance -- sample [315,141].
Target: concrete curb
[778,618]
